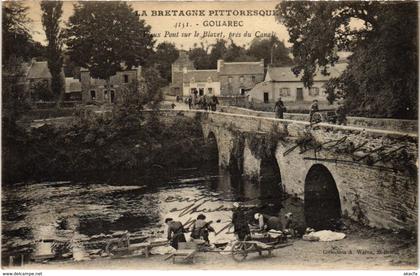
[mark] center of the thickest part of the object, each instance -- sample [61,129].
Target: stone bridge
[369,175]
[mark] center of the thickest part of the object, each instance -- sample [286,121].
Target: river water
[80,211]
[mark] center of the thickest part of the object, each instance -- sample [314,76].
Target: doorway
[265,97]
[299,94]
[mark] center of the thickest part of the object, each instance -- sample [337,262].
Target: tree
[106,37]
[382,74]
[199,56]
[236,53]
[217,52]
[166,54]
[51,19]
[17,39]
[272,50]
[14,98]
[41,91]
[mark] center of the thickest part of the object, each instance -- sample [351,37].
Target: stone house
[96,91]
[73,90]
[229,79]
[236,78]
[38,72]
[181,65]
[201,82]
[282,82]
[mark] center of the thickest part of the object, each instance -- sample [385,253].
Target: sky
[196,25]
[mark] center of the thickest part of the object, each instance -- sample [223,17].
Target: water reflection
[78,212]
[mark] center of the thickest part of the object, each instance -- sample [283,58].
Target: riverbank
[363,248]
[92,143]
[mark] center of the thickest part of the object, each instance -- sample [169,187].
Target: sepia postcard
[209,135]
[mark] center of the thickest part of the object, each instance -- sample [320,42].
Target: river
[86,209]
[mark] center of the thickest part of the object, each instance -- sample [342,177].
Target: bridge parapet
[410,126]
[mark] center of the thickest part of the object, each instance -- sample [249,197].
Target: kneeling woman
[201,228]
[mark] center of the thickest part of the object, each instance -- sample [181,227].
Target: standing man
[240,223]
[341,115]
[175,232]
[314,109]
[214,102]
[279,108]
[190,102]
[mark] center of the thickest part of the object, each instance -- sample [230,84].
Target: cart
[257,242]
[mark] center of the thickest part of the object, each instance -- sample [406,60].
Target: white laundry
[325,235]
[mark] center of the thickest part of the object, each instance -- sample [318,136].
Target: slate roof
[285,73]
[184,60]
[242,68]
[39,70]
[201,75]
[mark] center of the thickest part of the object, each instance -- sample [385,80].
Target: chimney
[220,63]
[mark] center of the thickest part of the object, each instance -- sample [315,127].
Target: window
[106,95]
[284,92]
[253,78]
[125,78]
[210,90]
[92,95]
[241,79]
[242,91]
[314,91]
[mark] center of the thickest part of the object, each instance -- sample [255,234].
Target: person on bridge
[190,102]
[314,109]
[279,108]
[175,232]
[213,103]
[341,115]
[268,223]
[240,223]
[201,228]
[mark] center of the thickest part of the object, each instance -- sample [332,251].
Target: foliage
[217,52]
[94,144]
[14,98]
[205,57]
[17,40]
[153,83]
[199,57]
[41,91]
[102,36]
[51,19]
[166,54]
[272,50]
[380,36]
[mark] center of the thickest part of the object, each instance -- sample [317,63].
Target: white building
[201,82]
[282,82]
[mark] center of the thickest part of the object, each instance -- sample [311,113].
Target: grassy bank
[90,143]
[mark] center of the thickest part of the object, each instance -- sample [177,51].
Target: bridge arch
[212,149]
[322,205]
[270,182]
